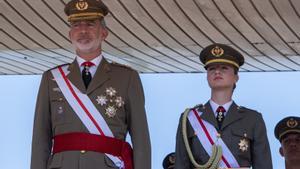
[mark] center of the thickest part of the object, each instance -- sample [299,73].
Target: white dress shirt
[215,106]
[92,69]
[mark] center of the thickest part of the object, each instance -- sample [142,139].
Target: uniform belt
[93,142]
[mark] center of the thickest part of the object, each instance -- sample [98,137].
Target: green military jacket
[240,123]
[54,116]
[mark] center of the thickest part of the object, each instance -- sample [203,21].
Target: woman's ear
[281,151]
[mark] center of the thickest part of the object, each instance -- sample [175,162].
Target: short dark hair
[236,70]
[102,22]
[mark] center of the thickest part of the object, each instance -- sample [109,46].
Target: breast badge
[244,144]
[102,100]
[111,101]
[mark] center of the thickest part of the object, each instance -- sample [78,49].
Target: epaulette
[199,107]
[121,65]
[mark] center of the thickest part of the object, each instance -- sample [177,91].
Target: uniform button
[82,151]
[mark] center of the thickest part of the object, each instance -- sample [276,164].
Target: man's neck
[221,97]
[88,56]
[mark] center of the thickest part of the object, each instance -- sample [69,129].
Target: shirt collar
[214,105]
[96,60]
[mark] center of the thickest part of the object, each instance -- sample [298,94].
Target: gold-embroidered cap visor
[222,61]
[84,16]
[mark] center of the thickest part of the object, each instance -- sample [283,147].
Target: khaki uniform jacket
[238,122]
[53,116]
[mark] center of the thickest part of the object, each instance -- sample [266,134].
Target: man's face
[87,36]
[221,76]
[290,147]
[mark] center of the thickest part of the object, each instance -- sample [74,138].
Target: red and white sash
[84,108]
[207,135]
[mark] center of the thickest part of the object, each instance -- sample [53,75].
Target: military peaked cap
[287,125]
[85,10]
[169,161]
[221,53]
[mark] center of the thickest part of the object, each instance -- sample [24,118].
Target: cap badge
[217,51]
[244,144]
[291,123]
[111,101]
[82,5]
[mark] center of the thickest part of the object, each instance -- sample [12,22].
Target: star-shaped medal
[244,144]
[110,111]
[101,100]
[119,101]
[111,91]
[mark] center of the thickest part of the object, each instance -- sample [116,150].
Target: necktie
[220,115]
[86,74]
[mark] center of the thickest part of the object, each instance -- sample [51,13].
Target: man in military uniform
[221,134]
[169,161]
[86,108]
[287,131]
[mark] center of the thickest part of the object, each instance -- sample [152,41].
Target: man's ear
[281,151]
[104,33]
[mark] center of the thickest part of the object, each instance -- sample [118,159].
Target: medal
[244,143]
[110,101]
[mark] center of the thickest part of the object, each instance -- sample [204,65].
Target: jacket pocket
[242,141]
[58,111]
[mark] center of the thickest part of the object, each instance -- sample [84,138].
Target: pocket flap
[242,133]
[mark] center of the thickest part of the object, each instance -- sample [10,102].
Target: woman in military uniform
[221,134]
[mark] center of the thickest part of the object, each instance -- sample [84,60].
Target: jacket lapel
[208,115]
[101,76]
[233,115]
[75,76]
